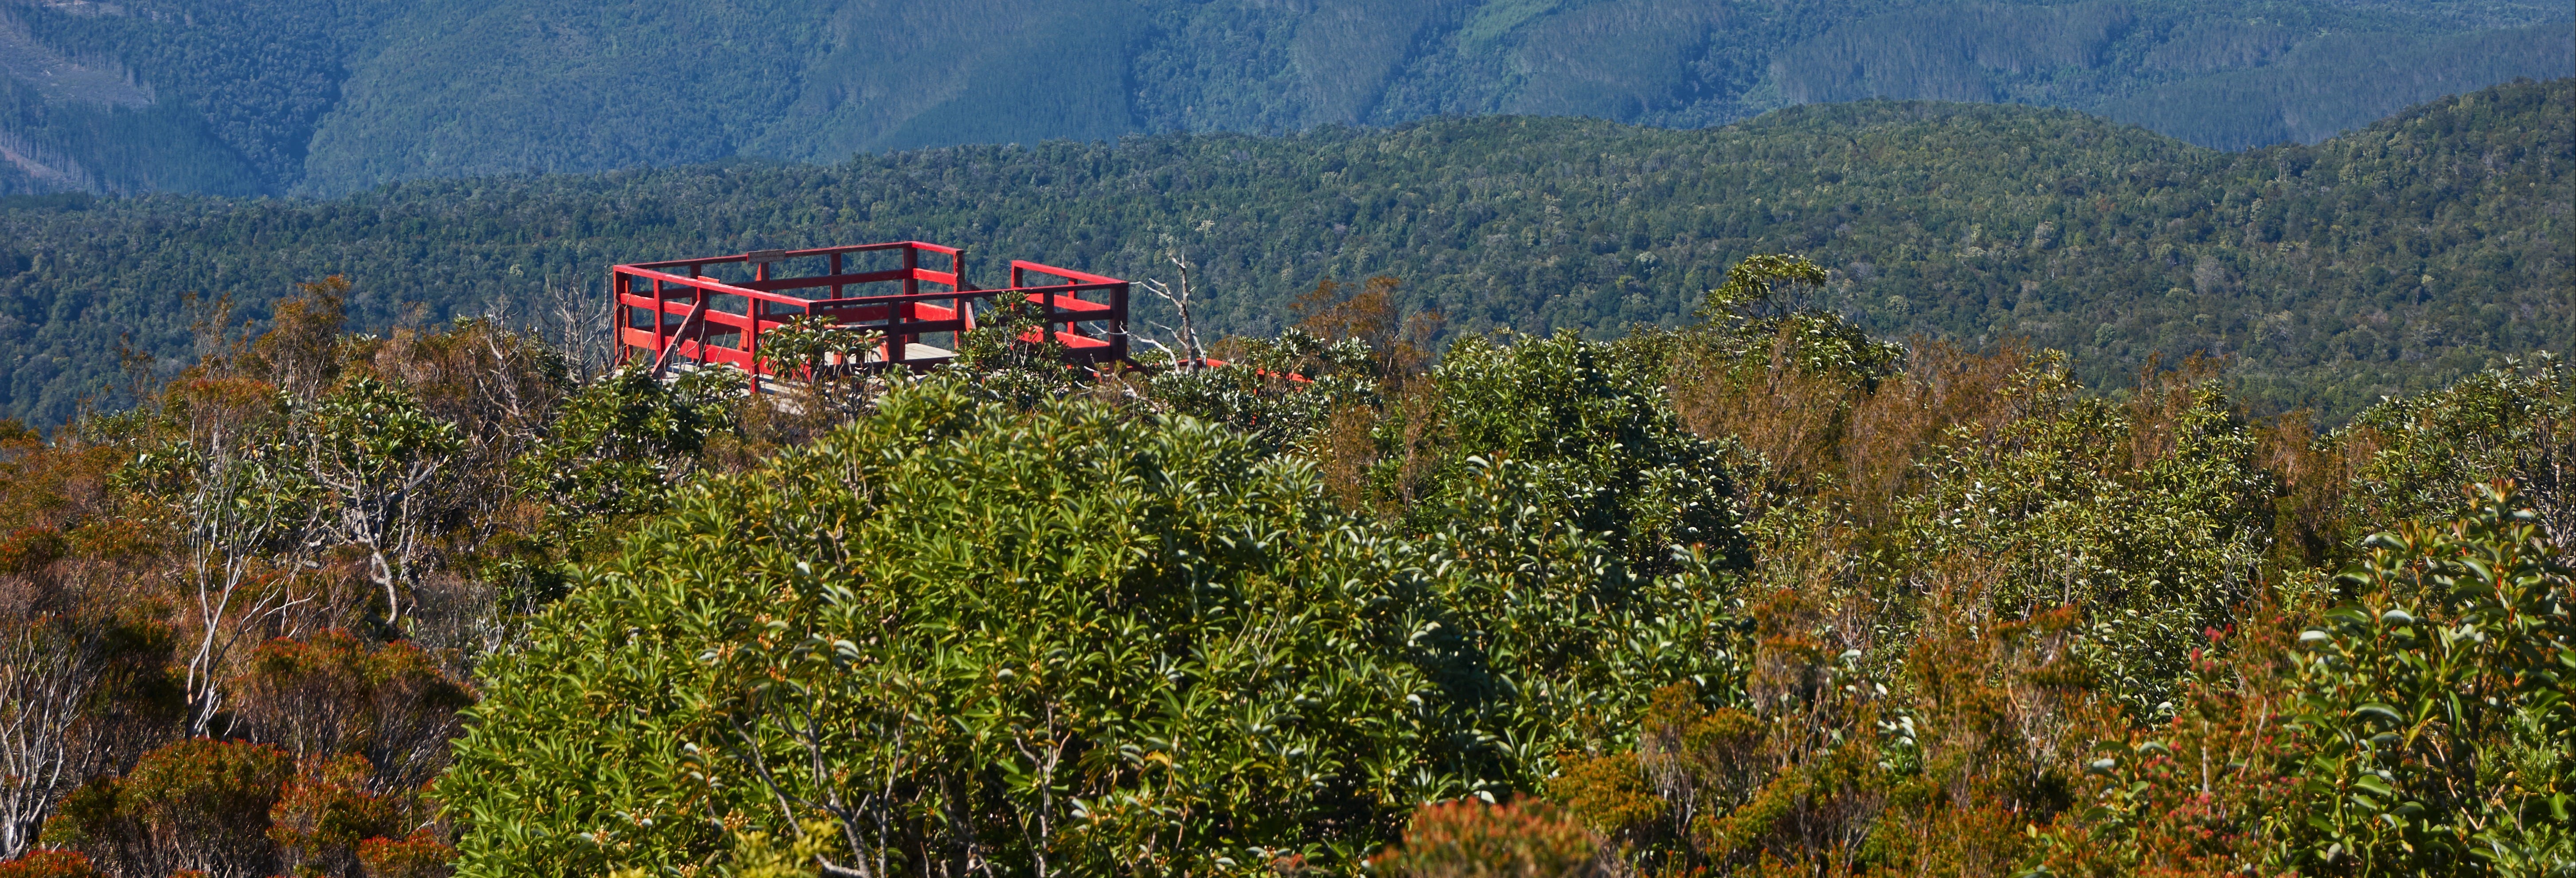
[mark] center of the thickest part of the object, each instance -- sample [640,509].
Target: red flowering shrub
[1528,838]
[196,804]
[319,819]
[419,856]
[50,864]
[30,549]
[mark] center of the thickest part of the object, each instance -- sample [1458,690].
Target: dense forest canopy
[1754,594]
[314,97]
[2386,261]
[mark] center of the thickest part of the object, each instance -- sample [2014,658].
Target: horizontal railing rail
[800,254]
[1020,268]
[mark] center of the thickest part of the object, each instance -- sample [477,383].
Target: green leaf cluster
[1057,638]
[2434,707]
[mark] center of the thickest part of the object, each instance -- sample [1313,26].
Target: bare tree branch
[1192,355]
[47,669]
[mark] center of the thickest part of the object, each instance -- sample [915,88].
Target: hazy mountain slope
[895,75]
[2304,94]
[549,86]
[336,95]
[233,89]
[2386,260]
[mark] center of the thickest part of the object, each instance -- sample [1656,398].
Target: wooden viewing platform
[683,310]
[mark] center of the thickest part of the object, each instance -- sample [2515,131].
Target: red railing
[675,310]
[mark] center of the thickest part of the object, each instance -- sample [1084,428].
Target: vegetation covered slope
[1757,595]
[331,97]
[2388,260]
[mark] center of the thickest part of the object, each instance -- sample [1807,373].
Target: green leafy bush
[2420,726]
[1062,638]
[1583,431]
[2151,518]
[2434,721]
[2516,420]
[620,444]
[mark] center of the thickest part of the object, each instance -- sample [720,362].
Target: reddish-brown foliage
[1525,838]
[331,694]
[418,855]
[43,863]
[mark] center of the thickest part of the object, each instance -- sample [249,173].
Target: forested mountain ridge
[332,96]
[2386,260]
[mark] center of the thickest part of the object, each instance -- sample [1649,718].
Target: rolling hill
[2381,261]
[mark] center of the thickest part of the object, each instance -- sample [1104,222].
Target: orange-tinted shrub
[1527,838]
[195,804]
[329,694]
[1610,794]
[30,549]
[50,864]
[322,814]
[419,855]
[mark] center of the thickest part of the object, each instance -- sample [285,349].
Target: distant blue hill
[327,96]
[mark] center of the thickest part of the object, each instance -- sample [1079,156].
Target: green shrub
[1054,638]
[2150,518]
[620,444]
[2435,728]
[1588,428]
[2515,421]
[2422,726]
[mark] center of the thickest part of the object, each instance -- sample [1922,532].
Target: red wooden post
[751,337]
[899,347]
[957,306]
[1118,322]
[625,314]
